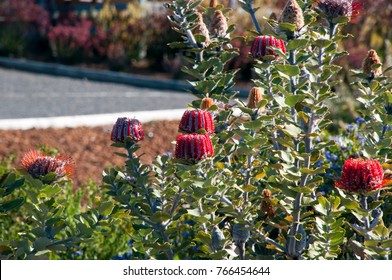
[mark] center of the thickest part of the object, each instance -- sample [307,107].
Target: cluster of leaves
[41,221]
[268,193]
[281,148]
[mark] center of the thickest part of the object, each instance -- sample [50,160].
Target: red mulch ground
[88,146]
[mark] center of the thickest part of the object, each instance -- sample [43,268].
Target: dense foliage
[256,179]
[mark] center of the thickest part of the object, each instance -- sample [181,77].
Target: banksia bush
[193,146]
[39,165]
[127,128]
[242,185]
[260,46]
[193,121]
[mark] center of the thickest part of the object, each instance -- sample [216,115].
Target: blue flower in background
[359,120]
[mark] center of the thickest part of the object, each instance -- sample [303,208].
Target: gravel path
[30,95]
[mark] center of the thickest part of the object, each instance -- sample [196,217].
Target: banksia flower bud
[241,233]
[292,13]
[219,24]
[38,165]
[273,16]
[193,146]
[202,29]
[266,206]
[206,103]
[361,176]
[194,120]
[213,3]
[372,59]
[255,96]
[217,238]
[125,127]
[260,46]
[337,8]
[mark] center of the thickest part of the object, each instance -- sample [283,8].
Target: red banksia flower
[125,127]
[338,8]
[260,46]
[38,164]
[194,120]
[193,146]
[361,175]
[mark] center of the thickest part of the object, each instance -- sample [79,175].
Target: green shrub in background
[260,179]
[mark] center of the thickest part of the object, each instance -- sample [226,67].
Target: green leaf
[374,85]
[249,188]
[178,45]
[297,44]
[319,208]
[194,212]
[294,99]
[51,190]
[287,26]
[160,216]
[280,100]
[323,43]
[11,204]
[301,189]
[341,20]
[105,208]
[292,130]
[41,243]
[289,70]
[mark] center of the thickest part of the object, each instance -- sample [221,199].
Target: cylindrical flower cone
[202,29]
[266,206]
[38,164]
[372,59]
[219,24]
[213,3]
[206,103]
[292,13]
[193,121]
[193,146]
[361,176]
[125,127]
[338,8]
[255,96]
[260,46]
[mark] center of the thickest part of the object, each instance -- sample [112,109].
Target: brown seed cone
[213,3]
[266,206]
[255,96]
[206,103]
[201,28]
[372,59]
[273,16]
[292,13]
[219,24]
